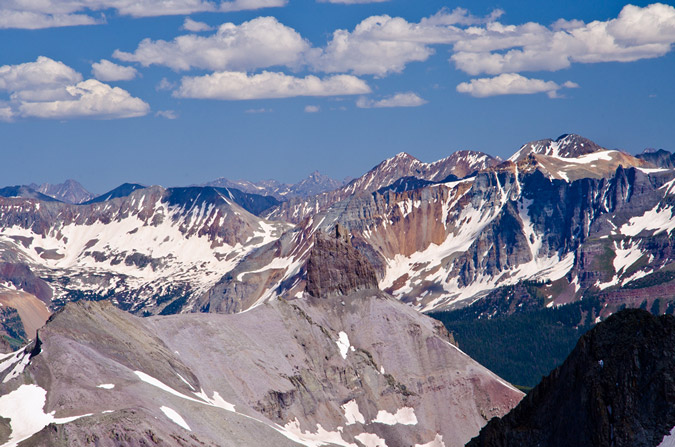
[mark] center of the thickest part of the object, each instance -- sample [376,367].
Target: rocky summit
[617,388]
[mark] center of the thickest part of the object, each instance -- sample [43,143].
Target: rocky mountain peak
[616,388]
[335,267]
[565,146]
[70,191]
[659,158]
[123,190]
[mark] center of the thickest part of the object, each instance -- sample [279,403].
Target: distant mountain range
[69,191]
[315,184]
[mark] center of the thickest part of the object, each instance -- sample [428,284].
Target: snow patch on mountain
[343,344]
[24,407]
[436,442]
[626,254]
[352,413]
[403,416]
[175,417]
[370,440]
[658,219]
[321,437]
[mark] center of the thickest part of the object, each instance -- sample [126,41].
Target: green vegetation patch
[522,347]
[653,279]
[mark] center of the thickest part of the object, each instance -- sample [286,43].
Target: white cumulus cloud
[380,45]
[44,73]
[194,26]
[312,109]
[258,43]
[352,2]
[231,85]
[408,99]
[89,98]
[637,33]
[104,70]
[168,114]
[50,89]
[34,14]
[27,19]
[241,5]
[511,84]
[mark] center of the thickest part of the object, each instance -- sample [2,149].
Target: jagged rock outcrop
[617,388]
[335,267]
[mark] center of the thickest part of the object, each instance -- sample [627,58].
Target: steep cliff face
[617,388]
[335,267]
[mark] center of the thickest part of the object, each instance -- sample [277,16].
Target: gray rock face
[617,388]
[286,373]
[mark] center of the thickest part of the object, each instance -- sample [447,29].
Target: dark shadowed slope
[617,388]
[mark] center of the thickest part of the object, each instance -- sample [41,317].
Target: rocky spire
[335,267]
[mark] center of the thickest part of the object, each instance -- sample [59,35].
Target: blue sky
[109,91]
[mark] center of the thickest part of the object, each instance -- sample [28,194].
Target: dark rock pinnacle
[335,267]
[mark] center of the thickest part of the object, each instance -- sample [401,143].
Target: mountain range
[314,184]
[296,317]
[567,214]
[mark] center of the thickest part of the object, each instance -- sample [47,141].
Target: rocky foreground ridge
[343,364]
[617,388]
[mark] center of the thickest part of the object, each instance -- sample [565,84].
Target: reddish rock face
[335,267]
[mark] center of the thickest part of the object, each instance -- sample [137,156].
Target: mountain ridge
[615,388]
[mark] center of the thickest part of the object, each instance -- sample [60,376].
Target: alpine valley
[266,314]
